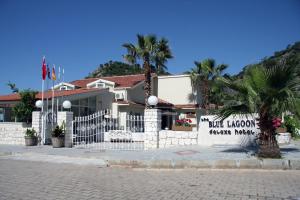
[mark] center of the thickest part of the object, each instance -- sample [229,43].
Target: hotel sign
[233,130]
[240,126]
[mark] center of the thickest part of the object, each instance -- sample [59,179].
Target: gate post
[152,123]
[37,125]
[67,118]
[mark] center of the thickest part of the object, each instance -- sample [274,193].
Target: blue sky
[79,35]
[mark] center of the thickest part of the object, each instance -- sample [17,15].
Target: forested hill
[115,68]
[291,55]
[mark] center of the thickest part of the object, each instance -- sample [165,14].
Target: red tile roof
[123,102]
[10,97]
[161,102]
[121,81]
[126,81]
[83,82]
[48,94]
[59,93]
[186,106]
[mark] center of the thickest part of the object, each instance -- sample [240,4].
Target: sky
[81,34]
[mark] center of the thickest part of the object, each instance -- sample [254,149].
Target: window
[100,85]
[63,88]
[1,115]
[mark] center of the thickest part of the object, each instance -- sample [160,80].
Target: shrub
[30,132]
[293,126]
[59,131]
[23,110]
[183,122]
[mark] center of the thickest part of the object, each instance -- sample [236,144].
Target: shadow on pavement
[289,150]
[240,150]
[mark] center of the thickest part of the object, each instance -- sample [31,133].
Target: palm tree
[163,53]
[268,91]
[152,53]
[13,87]
[204,75]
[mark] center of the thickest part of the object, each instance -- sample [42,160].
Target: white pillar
[67,118]
[152,123]
[37,124]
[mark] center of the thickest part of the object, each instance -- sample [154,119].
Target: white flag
[63,72]
[59,73]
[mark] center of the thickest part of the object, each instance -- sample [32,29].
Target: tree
[268,91]
[291,55]
[218,93]
[163,53]
[13,87]
[23,110]
[115,68]
[203,76]
[151,53]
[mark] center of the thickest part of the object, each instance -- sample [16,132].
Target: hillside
[291,55]
[115,68]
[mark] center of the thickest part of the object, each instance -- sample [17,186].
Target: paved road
[41,180]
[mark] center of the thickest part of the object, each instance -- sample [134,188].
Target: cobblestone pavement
[40,180]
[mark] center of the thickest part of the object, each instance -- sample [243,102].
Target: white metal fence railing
[105,130]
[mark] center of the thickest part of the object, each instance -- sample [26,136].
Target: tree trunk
[268,147]
[147,87]
[205,105]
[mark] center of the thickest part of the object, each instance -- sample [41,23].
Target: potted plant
[58,136]
[182,125]
[30,137]
[282,136]
[278,125]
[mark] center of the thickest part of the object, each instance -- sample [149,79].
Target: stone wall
[152,123]
[37,123]
[13,133]
[235,130]
[169,138]
[66,118]
[123,135]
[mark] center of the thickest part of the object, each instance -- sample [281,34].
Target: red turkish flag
[44,69]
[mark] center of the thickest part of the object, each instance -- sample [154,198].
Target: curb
[59,159]
[265,164]
[274,164]
[5,153]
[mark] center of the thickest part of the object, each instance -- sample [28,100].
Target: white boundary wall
[13,133]
[238,130]
[177,138]
[124,135]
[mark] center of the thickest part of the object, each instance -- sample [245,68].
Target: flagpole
[63,80]
[47,87]
[42,110]
[58,83]
[53,97]
[43,132]
[52,103]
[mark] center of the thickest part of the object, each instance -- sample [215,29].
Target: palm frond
[232,110]
[141,41]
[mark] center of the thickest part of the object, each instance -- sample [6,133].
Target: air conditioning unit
[119,96]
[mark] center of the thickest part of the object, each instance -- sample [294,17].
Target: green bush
[30,132]
[59,131]
[23,110]
[293,125]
